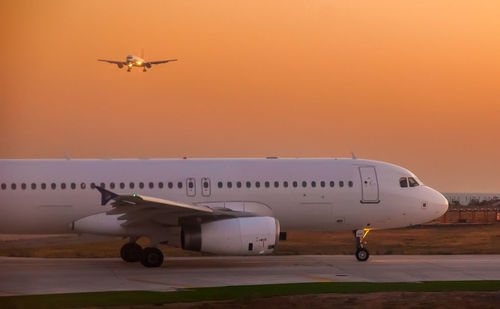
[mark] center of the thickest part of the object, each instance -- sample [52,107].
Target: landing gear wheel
[362,254]
[152,257]
[131,252]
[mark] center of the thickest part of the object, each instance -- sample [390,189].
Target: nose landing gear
[362,253]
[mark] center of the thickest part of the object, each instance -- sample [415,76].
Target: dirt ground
[452,300]
[456,239]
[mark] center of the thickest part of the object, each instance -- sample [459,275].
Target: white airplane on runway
[134,61]
[221,206]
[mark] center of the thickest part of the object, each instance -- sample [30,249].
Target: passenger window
[313,184]
[131,185]
[33,186]
[179,185]
[403,182]
[63,185]
[341,183]
[257,184]
[332,184]
[122,185]
[53,186]
[249,184]
[304,184]
[351,184]
[82,185]
[267,184]
[295,184]
[285,184]
[141,185]
[4,186]
[111,185]
[151,185]
[103,185]
[170,185]
[276,184]
[412,182]
[160,185]
[23,186]
[44,186]
[323,184]
[73,186]
[13,186]
[219,184]
[229,184]
[238,184]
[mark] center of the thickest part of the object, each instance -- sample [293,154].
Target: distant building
[471,198]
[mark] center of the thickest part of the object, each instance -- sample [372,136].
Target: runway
[21,276]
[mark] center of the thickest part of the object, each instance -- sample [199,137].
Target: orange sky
[415,83]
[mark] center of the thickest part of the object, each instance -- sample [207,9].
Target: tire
[131,252]
[152,257]
[362,254]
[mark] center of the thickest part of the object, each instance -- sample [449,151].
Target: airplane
[220,206]
[135,61]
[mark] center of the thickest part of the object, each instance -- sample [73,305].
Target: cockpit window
[403,182]
[412,182]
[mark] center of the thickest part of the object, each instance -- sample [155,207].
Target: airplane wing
[111,61]
[138,209]
[162,61]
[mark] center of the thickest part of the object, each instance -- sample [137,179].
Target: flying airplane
[134,61]
[220,206]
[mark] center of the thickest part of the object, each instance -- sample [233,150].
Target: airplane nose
[439,202]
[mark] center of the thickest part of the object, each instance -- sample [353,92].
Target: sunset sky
[416,83]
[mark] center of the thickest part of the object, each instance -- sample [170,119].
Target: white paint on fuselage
[319,208]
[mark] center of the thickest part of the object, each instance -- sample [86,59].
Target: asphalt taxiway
[21,276]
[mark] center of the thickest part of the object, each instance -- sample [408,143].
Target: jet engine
[237,236]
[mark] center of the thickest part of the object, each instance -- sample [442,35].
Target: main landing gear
[362,253]
[149,257]
[144,69]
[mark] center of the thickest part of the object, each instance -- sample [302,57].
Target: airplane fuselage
[45,196]
[135,61]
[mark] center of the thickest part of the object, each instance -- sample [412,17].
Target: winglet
[106,195]
[353,156]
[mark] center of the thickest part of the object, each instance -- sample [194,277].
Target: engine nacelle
[238,236]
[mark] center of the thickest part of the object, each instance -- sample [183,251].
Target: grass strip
[70,300]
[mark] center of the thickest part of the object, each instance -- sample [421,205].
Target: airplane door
[205,186]
[191,187]
[369,185]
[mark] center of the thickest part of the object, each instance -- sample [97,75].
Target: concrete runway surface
[20,276]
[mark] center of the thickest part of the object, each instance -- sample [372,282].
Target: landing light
[130,64]
[139,63]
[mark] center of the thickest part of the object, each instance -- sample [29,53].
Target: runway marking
[162,283]
[318,278]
